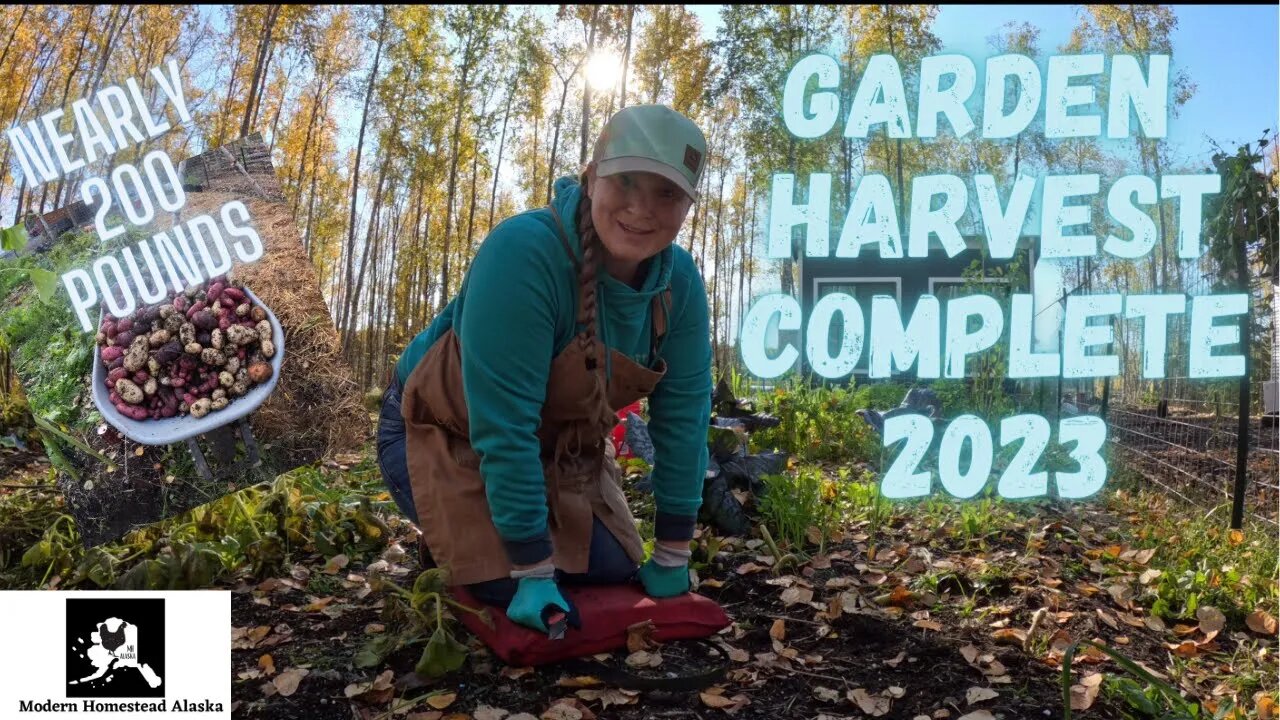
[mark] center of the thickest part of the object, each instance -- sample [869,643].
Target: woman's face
[636,214]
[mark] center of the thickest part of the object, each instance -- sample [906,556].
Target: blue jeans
[608,563]
[391,453]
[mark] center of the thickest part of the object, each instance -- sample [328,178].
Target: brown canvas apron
[577,459]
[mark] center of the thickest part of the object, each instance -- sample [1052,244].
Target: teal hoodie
[516,310]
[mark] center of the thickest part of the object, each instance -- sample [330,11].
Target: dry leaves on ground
[1261,622]
[714,697]
[442,700]
[793,595]
[644,658]
[609,696]
[378,691]
[640,636]
[1083,695]
[873,705]
[1211,620]
[286,683]
[979,694]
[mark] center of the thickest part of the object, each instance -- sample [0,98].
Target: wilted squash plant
[408,611]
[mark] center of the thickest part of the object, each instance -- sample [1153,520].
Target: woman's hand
[533,595]
[666,574]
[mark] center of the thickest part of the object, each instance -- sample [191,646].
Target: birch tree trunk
[355,171]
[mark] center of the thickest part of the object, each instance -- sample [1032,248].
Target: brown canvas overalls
[577,459]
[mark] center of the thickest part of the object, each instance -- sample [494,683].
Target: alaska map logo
[115,648]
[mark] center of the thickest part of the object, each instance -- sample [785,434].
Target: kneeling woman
[493,435]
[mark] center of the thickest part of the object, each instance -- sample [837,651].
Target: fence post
[1242,431]
[1106,381]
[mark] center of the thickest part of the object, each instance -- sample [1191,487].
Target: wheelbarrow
[219,427]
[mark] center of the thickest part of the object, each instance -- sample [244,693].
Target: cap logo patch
[692,159]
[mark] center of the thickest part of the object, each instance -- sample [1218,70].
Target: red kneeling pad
[606,612]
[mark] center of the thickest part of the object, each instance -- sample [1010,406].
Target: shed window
[862,290]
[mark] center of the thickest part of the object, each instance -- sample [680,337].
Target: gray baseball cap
[656,139]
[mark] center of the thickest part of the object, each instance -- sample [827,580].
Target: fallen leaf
[1149,576]
[975,715]
[978,694]
[970,653]
[640,636]
[1185,649]
[442,701]
[738,655]
[778,631]
[484,712]
[581,681]
[1236,537]
[1083,695]
[1183,630]
[793,595]
[718,702]
[748,568]
[1121,593]
[1266,707]
[928,625]
[1261,622]
[607,697]
[712,583]
[901,597]
[515,673]
[374,628]
[286,683]
[1154,623]
[336,563]
[1010,636]
[826,694]
[1128,619]
[835,607]
[1142,557]
[1060,641]
[873,705]
[893,662]
[896,692]
[644,659]
[561,711]
[317,605]
[1211,619]
[575,704]
[268,664]
[256,634]
[839,583]
[1106,618]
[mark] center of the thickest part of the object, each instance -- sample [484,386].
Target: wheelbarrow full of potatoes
[198,364]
